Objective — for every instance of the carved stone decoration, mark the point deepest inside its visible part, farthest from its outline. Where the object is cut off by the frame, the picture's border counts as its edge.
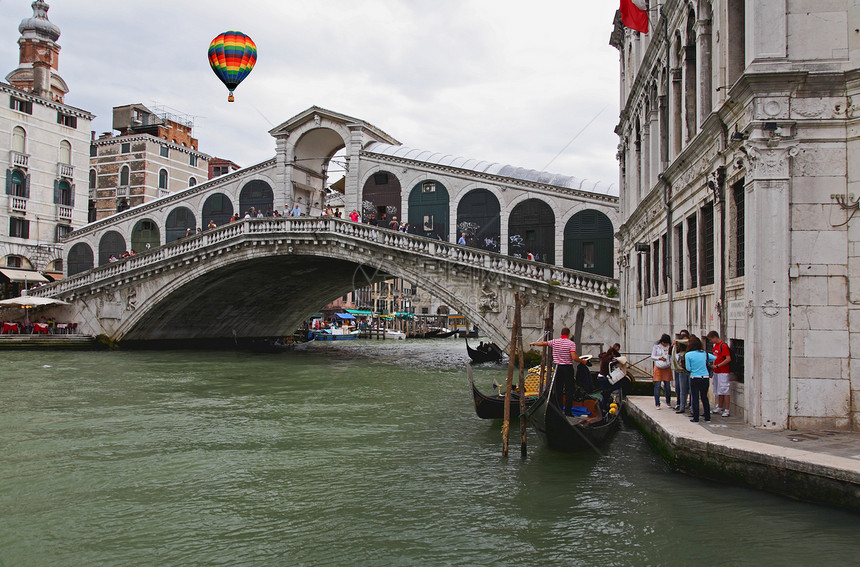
(771, 108)
(808, 107)
(770, 308)
(750, 309)
(131, 300)
(770, 163)
(488, 302)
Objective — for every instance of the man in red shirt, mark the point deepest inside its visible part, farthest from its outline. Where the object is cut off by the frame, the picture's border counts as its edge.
(722, 391)
(563, 356)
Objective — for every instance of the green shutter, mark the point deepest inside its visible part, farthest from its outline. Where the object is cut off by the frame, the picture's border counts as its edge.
(72, 196)
(27, 186)
(8, 181)
(56, 191)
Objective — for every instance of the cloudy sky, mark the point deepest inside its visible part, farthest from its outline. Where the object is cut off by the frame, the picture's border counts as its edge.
(511, 82)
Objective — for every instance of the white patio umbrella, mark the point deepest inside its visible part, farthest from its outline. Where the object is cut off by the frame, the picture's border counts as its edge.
(28, 302)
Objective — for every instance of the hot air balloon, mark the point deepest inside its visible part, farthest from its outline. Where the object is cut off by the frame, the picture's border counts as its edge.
(232, 55)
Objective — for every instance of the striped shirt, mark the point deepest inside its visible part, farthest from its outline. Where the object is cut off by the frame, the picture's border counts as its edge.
(561, 350)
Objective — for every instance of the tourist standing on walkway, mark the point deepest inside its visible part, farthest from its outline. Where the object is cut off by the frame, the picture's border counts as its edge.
(722, 386)
(296, 211)
(394, 225)
(682, 377)
(696, 360)
(353, 216)
(462, 241)
(662, 372)
(563, 356)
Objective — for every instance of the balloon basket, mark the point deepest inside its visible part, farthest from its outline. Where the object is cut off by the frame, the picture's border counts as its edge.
(230, 97)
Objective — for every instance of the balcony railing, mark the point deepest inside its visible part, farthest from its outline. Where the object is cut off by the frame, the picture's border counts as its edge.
(92, 192)
(122, 191)
(17, 204)
(65, 170)
(163, 193)
(64, 213)
(18, 159)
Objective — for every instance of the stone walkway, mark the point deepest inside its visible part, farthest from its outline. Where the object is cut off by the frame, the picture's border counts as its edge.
(821, 466)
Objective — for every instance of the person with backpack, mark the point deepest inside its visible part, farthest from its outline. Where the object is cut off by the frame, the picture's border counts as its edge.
(722, 386)
(662, 371)
(679, 368)
(696, 361)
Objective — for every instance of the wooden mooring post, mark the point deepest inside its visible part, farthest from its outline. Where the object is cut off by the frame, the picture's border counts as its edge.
(506, 422)
(522, 386)
(545, 353)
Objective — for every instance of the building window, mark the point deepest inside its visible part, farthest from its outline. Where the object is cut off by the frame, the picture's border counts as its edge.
(428, 187)
(162, 179)
(740, 236)
(708, 244)
(125, 148)
(587, 255)
(123, 176)
(425, 310)
(193, 160)
(679, 257)
(737, 364)
(94, 151)
(664, 274)
(92, 179)
(67, 120)
(380, 178)
(17, 184)
(693, 251)
(65, 194)
(656, 266)
(192, 181)
(19, 140)
(65, 152)
(13, 262)
(164, 151)
(62, 231)
(19, 228)
(646, 273)
(20, 105)
(639, 276)
(92, 211)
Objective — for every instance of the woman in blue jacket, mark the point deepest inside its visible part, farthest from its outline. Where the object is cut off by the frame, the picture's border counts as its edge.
(697, 360)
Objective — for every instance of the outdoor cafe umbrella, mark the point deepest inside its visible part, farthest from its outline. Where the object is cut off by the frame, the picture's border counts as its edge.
(28, 302)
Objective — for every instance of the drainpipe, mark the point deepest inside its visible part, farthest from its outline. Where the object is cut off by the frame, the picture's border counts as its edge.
(667, 187)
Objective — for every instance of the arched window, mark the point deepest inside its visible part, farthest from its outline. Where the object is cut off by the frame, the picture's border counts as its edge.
(65, 152)
(589, 243)
(19, 140)
(179, 220)
(255, 194)
(381, 195)
(92, 179)
(64, 196)
(531, 229)
(478, 217)
(218, 208)
(111, 244)
(123, 176)
(428, 210)
(145, 235)
(192, 181)
(17, 183)
(162, 179)
(80, 258)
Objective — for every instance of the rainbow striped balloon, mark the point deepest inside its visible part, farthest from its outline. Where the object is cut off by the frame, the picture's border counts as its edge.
(232, 55)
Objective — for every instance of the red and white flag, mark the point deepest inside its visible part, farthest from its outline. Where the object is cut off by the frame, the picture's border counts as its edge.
(634, 15)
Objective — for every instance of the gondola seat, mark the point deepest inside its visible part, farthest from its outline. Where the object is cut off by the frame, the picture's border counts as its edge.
(594, 412)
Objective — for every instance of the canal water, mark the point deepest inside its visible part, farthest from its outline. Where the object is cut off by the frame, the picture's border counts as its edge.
(362, 453)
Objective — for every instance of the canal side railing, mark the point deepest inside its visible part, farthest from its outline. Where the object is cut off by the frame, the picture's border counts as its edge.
(281, 227)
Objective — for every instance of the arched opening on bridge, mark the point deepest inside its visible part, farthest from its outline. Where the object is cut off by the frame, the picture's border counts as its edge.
(428, 210)
(145, 235)
(255, 194)
(478, 215)
(218, 208)
(588, 243)
(178, 222)
(381, 195)
(111, 244)
(80, 258)
(317, 152)
(531, 228)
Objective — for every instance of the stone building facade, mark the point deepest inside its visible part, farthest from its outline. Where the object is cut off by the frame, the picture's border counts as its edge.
(153, 155)
(740, 171)
(44, 143)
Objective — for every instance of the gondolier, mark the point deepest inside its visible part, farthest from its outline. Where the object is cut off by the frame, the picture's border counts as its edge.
(563, 356)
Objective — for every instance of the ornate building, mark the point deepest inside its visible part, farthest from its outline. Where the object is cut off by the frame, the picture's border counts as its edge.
(45, 142)
(739, 181)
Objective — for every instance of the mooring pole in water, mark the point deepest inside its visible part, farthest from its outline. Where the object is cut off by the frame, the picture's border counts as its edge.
(547, 335)
(522, 384)
(506, 423)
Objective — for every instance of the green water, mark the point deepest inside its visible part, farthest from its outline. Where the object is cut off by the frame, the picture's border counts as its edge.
(347, 453)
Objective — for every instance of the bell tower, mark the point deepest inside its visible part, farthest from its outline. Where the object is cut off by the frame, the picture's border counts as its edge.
(38, 61)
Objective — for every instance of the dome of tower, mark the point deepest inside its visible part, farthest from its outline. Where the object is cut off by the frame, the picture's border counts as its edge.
(39, 23)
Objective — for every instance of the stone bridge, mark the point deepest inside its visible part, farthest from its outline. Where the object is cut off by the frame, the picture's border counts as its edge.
(263, 277)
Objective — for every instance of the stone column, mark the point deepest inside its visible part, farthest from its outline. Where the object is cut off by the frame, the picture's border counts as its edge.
(645, 157)
(703, 68)
(283, 175)
(655, 135)
(768, 186)
(352, 192)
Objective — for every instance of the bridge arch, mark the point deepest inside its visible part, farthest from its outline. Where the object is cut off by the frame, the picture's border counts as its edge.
(429, 213)
(589, 243)
(179, 220)
(381, 192)
(479, 216)
(145, 235)
(257, 194)
(217, 207)
(531, 228)
(112, 243)
(80, 259)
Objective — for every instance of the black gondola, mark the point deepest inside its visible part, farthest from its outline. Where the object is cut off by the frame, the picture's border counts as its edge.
(572, 434)
(484, 353)
(493, 407)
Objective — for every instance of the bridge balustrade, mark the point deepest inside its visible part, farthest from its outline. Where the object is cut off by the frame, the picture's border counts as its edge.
(555, 275)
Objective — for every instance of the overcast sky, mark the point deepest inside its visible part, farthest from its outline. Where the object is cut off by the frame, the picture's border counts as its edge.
(503, 81)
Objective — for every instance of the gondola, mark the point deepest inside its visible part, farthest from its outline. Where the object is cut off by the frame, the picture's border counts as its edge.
(491, 353)
(493, 407)
(573, 434)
